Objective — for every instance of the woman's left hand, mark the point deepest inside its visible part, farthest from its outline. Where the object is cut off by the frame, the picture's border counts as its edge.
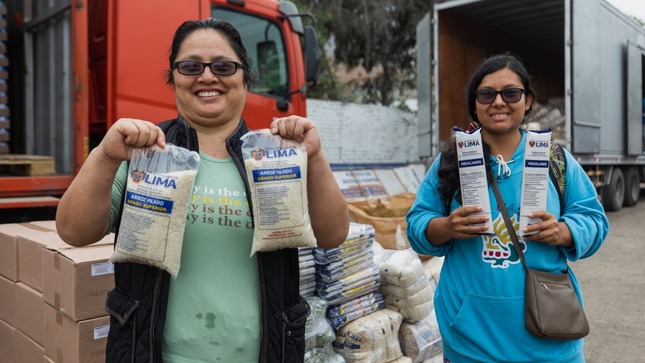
(550, 230)
(300, 129)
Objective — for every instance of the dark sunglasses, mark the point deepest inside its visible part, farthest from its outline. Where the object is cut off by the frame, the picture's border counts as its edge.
(195, 68)
(509, 95)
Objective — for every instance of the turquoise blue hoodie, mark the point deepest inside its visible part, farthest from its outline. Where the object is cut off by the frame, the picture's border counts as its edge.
(479, 302)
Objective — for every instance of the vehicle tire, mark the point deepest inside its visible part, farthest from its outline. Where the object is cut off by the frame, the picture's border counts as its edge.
(613, 194)
(632, 187)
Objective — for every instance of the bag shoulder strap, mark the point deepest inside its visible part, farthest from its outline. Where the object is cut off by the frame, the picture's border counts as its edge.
(558, 171)
(507, 220)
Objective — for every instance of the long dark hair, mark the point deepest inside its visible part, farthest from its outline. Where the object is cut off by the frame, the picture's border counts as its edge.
(221, 26)
(448, 171)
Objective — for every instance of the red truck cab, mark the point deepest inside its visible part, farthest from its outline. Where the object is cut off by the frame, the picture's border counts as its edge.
(91, 62)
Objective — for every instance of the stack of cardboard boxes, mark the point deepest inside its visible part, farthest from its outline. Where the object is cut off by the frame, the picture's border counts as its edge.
(52, 296)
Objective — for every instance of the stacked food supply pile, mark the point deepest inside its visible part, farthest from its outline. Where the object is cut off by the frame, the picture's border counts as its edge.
(52, 296)
(549, 115)
(409, 290)
(307, 271)
(372, 305)
(369, 304)
(347, 277)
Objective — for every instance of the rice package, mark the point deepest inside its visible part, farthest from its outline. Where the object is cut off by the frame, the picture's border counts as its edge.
(472, 173)
(277, 173)
(158, 192)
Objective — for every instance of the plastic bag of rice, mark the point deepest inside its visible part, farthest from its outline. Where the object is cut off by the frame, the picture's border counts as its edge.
(159, 187)
(277, 173)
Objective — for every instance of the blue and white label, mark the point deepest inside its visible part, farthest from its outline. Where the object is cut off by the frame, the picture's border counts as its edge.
(281, 174)
(148, 203)
(471, 162)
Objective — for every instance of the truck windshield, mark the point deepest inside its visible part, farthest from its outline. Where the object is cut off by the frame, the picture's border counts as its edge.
(265, 46)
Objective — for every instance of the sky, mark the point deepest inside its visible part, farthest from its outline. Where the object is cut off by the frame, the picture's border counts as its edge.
(630, 7)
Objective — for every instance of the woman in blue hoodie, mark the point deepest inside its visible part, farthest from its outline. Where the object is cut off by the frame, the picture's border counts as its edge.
(479, 302)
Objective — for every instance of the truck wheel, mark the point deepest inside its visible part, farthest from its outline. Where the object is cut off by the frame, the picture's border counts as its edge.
(613, 194)
(632, 187)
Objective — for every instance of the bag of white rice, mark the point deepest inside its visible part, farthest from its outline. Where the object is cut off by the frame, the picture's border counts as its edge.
(159, 187)
(277, 173)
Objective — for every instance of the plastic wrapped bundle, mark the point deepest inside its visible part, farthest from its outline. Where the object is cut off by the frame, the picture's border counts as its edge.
(307, 271)
(318, 332)
(323, 355)
(347, 288)
(405, 286)
(421, 341)
(336, 269)
(370, 339)
(341, 314)
(347, 271)
(401, 359)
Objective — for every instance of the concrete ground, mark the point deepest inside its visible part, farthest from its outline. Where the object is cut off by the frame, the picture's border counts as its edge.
(613, 286)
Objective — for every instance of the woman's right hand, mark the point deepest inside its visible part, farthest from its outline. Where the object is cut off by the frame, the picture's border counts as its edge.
(463, 222)
(127, 133)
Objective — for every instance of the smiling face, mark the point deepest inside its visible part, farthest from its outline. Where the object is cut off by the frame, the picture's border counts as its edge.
(500, 117)
(208, 100)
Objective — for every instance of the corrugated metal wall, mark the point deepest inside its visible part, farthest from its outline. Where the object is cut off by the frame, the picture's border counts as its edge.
(48, 114)
(613, 38)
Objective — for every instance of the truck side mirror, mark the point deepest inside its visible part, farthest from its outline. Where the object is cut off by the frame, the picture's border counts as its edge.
(312, 54)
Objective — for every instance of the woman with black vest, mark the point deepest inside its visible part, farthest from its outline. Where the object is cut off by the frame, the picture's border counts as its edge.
(224, 306)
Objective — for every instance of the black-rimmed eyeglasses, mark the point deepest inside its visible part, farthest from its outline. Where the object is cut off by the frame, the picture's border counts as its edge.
(195, 68)
(486, 96)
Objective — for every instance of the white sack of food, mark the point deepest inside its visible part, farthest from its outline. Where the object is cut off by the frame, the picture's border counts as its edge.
(370, 339)
(158, 191)
(277, 172)
(402, 268)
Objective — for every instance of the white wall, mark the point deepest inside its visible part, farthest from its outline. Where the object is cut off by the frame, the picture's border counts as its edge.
(365, 134)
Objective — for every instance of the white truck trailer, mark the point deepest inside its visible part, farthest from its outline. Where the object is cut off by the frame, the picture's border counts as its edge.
(588, 62)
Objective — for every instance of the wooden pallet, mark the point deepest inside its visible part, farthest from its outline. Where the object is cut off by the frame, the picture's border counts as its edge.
(32, 165)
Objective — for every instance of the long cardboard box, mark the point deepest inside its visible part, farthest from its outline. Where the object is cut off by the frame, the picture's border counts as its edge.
(32, 249)
(68, 341)
(77, 280)
(7, 301)
(30, 317)
(26, 349)
(9, 246)
(7, 348)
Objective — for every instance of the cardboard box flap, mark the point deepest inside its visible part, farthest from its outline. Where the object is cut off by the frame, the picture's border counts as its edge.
(86, 254)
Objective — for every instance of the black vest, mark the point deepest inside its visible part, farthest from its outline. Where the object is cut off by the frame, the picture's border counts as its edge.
(138, 303)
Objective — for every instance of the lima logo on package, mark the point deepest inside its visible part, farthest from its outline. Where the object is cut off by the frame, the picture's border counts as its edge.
(468, 143)
(533, 143)
(139, 176)
(259, 154)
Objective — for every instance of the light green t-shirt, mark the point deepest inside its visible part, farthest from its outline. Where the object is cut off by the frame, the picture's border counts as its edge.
(214, 304)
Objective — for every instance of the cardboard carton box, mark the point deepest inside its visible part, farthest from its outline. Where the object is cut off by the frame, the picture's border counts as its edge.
(67, 341)
(47, 225)
(7, 337)
(77, 280)
(7, 301)
(9, 246)
(26, 349)
(30, 318)
(31, 250)
(30, 256)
